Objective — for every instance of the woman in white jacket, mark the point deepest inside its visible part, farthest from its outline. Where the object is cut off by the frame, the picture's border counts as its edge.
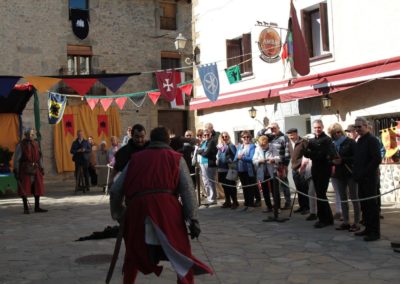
(265, 160)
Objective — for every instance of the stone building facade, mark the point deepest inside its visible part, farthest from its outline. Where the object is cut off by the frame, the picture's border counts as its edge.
(124, 36)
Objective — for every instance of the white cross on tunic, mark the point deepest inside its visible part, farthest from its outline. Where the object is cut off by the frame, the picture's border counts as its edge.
(168, 85)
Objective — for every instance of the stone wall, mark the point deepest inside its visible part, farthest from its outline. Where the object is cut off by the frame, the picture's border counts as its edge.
(124, 36)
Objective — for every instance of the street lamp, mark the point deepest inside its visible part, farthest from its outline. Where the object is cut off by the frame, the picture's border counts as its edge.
(326, 101)
(180, 44)
(253, 112)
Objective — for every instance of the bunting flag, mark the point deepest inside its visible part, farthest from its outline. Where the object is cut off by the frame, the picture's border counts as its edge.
(120, 102)
(301, 58)
(68, 120)
(113, 83)
(6, 84)
(106, 103)
(92, 103)
(42, 84)
(186, 89)
(102, 124)
(81, 86)
(210, 80)
(233, 74)
(80, 22)
(138, 99)
(154, 96)
(56, 105)
(166, 81)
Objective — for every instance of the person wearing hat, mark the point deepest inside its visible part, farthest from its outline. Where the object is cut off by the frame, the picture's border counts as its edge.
(351, 132)
(28, 170)
(297, 146)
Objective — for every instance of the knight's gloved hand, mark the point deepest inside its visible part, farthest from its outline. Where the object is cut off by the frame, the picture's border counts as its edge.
(194, 229)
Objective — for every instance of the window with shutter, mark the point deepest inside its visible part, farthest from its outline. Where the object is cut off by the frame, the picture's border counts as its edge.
(79, 59)
(238, 52)
(314, 21)
(167, 16)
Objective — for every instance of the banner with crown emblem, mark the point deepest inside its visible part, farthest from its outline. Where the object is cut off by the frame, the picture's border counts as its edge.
(56, 105)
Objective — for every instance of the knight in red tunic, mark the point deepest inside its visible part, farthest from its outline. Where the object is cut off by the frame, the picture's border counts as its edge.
(159, 198)
(28, 170)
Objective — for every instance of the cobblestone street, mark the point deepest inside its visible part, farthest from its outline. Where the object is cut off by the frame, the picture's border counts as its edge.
(41, 248)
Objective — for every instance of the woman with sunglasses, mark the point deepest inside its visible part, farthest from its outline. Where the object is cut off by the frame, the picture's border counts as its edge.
(225, 156)
(244, 158)
(342, 178)
(208, 164)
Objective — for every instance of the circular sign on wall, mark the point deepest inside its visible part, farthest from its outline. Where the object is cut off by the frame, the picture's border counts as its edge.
(269, 43)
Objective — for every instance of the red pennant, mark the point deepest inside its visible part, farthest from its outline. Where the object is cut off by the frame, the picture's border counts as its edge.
(68, 122)
(187, 89)
(120, 102)
(81, 86)
(106, 103)
(92, 103)
(166, 81)
(102, 124)
(154, 96)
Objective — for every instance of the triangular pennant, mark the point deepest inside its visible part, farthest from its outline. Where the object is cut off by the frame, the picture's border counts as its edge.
(42, 84)
(154, 96)
(81, 86)
(92, 102)
(186, 89)
(106, 103)
(233, 74)
(68, 122)
(113, 83)
(56, 105)
(6, 84)
(138, 99)
(120, 102)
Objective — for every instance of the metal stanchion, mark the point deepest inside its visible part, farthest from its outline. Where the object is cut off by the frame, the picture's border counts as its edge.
(197, 176)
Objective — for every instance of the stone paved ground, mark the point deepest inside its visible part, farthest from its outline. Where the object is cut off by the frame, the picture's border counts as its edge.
(40, 248)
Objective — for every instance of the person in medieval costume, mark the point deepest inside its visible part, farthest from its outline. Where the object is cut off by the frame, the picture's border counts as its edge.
(28, 170)
(154, 218)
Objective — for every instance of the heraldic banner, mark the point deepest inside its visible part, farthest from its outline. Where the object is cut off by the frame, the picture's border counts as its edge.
(99, 124)
(166, 82)
(56, 104)
(210, 81)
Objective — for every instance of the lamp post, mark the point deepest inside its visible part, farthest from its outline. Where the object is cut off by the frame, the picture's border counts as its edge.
(326, 101)
(180, 44)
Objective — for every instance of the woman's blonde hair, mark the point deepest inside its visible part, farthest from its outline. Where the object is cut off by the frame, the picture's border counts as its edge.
(262, 139)
(335, 128)
(221, 140)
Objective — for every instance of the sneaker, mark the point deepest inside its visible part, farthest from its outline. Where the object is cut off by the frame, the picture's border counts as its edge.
(311, 217)
(354, 228)
(343, 227)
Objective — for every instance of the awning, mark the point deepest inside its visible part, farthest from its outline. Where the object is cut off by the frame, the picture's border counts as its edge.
(308, 86)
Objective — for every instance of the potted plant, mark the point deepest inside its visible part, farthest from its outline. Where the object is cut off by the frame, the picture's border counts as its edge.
(5, 158)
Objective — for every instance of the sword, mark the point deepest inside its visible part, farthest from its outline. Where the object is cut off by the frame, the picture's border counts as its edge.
(116, 251)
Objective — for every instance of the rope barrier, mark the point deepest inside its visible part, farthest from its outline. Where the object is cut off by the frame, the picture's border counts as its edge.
(332, 202)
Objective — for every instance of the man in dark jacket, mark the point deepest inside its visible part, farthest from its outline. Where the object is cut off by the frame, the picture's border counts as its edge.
(365, 172)
(80, 150)
(297, 146)
(321, 151)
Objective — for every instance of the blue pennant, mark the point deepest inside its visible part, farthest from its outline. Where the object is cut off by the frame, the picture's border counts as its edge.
(56, 105)
(209, 78)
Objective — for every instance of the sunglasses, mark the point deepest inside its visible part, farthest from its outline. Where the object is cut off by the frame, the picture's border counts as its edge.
(224, 136)
(358, 126)
(245, 137)
(206, 135)
(188, 135)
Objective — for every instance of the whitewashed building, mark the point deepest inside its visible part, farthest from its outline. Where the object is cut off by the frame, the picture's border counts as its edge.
(354, 60)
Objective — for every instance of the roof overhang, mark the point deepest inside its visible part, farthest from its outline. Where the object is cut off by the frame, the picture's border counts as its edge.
(308, 86)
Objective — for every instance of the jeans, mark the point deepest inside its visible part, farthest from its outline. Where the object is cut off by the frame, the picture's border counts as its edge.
(342, 185)
(209, 176)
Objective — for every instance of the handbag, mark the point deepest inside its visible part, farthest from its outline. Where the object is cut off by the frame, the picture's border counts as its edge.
(30, 168)
(232, 173)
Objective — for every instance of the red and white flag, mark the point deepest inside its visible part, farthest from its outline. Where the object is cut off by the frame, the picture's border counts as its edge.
(179, 101)
(166, 81)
